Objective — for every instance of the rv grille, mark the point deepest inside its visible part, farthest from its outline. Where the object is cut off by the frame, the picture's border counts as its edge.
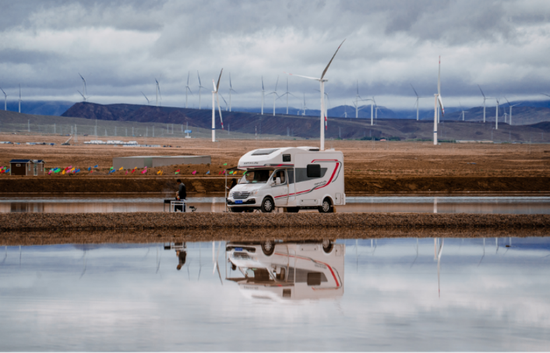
(241, 195)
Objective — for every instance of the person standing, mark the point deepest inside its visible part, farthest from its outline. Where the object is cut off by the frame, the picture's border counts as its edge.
(181, 195)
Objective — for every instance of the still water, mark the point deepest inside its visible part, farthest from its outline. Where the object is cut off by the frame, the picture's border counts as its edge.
(368, 295)
(448, 204)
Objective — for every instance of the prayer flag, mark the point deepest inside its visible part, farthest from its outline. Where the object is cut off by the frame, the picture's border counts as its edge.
(95, 166)
(133, 170)
(112, 168)
(126, 172)
(120, 168)
(208, 172)
(89, 168)
(194, 172)
(225, 164)
(63, 172)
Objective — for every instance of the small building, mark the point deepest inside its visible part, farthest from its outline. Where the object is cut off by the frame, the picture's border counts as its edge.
(157, 161)
(27, 167)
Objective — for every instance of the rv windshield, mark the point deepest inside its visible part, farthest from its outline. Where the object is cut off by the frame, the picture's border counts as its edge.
(260, 176)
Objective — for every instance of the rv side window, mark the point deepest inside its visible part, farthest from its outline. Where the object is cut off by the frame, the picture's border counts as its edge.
(314, 278)
(286, 158)
(301, 174)
(313, 170)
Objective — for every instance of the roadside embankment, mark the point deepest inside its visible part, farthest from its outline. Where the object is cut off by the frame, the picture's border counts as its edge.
(282, 221)
(364, 185)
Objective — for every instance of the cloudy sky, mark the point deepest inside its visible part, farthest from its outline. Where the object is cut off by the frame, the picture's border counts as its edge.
(120, 47)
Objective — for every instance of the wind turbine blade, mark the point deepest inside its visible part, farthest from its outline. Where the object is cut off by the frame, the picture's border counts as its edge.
(441, 104)
(214, 85)
(230, 85)
(326, 68)
(220, 111)
(219, 78)
(3, 92)
(199, 76)
(414, 91)
(308, 77)
(263, 84)
(188, 78)
(439, 78)
(483, 94)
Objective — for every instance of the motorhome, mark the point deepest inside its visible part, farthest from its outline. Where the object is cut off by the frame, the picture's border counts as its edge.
(291, 178)
(287, 270)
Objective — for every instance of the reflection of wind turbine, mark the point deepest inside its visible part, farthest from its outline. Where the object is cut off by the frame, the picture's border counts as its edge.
(230, 90)
(483, 253)
(416, 253)
(439, 101)
(84, 87)
(439, 253)
(5, 100)
(216, 99)
(215, 260)
(200, 87)
(200, 262)
(187, 89)
(145, 98)
(84, 270)
(322, 89)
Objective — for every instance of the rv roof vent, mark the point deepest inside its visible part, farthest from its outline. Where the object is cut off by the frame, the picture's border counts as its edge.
(264, 152)
(314, 149)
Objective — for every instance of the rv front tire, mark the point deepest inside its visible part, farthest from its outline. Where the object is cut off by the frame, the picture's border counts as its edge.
(267, 205)
(326, 206)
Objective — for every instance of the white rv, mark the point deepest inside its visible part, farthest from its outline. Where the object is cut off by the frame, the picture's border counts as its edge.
(291, 178)
(287, 271)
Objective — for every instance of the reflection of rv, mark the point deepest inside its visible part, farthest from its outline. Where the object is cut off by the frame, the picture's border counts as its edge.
(287, 271)
(289, 178)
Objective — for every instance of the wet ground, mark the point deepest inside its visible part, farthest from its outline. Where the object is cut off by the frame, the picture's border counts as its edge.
(408, 294)
(422, 204)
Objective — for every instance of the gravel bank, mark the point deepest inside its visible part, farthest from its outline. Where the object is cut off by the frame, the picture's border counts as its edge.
(305, 221)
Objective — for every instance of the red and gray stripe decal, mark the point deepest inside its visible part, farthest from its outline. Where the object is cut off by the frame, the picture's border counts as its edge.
(338, 284)
(332, 178)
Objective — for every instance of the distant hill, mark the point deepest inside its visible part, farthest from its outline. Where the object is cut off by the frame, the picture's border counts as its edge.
(38, 107)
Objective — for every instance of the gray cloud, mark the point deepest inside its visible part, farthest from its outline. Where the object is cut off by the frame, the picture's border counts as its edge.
(121, 46)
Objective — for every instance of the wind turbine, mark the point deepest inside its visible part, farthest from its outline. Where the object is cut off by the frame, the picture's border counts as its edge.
(19, 98)
(263, 95)
(484, 99)
(287, 93)
(82, 95)
(215, 259)
(158, 93)
(462, 108)
(357, 98)
(84, 87)
(230, 90)
(215, 99)
(496, 116)
(145, 98)
(187, 90)
(275, 95)
(5, 100)
(200, 86)
(438, 100)
(322, 89)
(305, 107)
(510, 119)
(417, 100)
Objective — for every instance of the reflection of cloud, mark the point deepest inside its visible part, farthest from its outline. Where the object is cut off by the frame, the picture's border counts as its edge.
(121, 303)
(121, 46)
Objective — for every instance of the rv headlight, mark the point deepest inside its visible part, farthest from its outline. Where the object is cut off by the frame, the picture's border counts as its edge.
(254, 192)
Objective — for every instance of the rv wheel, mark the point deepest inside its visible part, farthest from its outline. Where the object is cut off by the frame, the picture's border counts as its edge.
(326, 207)
(267, 205)
(268, 247)
(327, 245)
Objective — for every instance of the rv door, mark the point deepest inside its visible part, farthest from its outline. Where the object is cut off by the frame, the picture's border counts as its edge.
(279, 187)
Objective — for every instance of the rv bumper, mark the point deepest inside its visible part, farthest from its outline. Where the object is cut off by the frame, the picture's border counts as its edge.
(251, 201)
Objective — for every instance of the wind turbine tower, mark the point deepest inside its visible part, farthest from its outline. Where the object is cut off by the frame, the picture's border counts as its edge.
(215, 99)
(263, 95)
(496, 116)
(510, 118)
(439, 101)
(357, 98)
(322, 81)
(19, 98)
